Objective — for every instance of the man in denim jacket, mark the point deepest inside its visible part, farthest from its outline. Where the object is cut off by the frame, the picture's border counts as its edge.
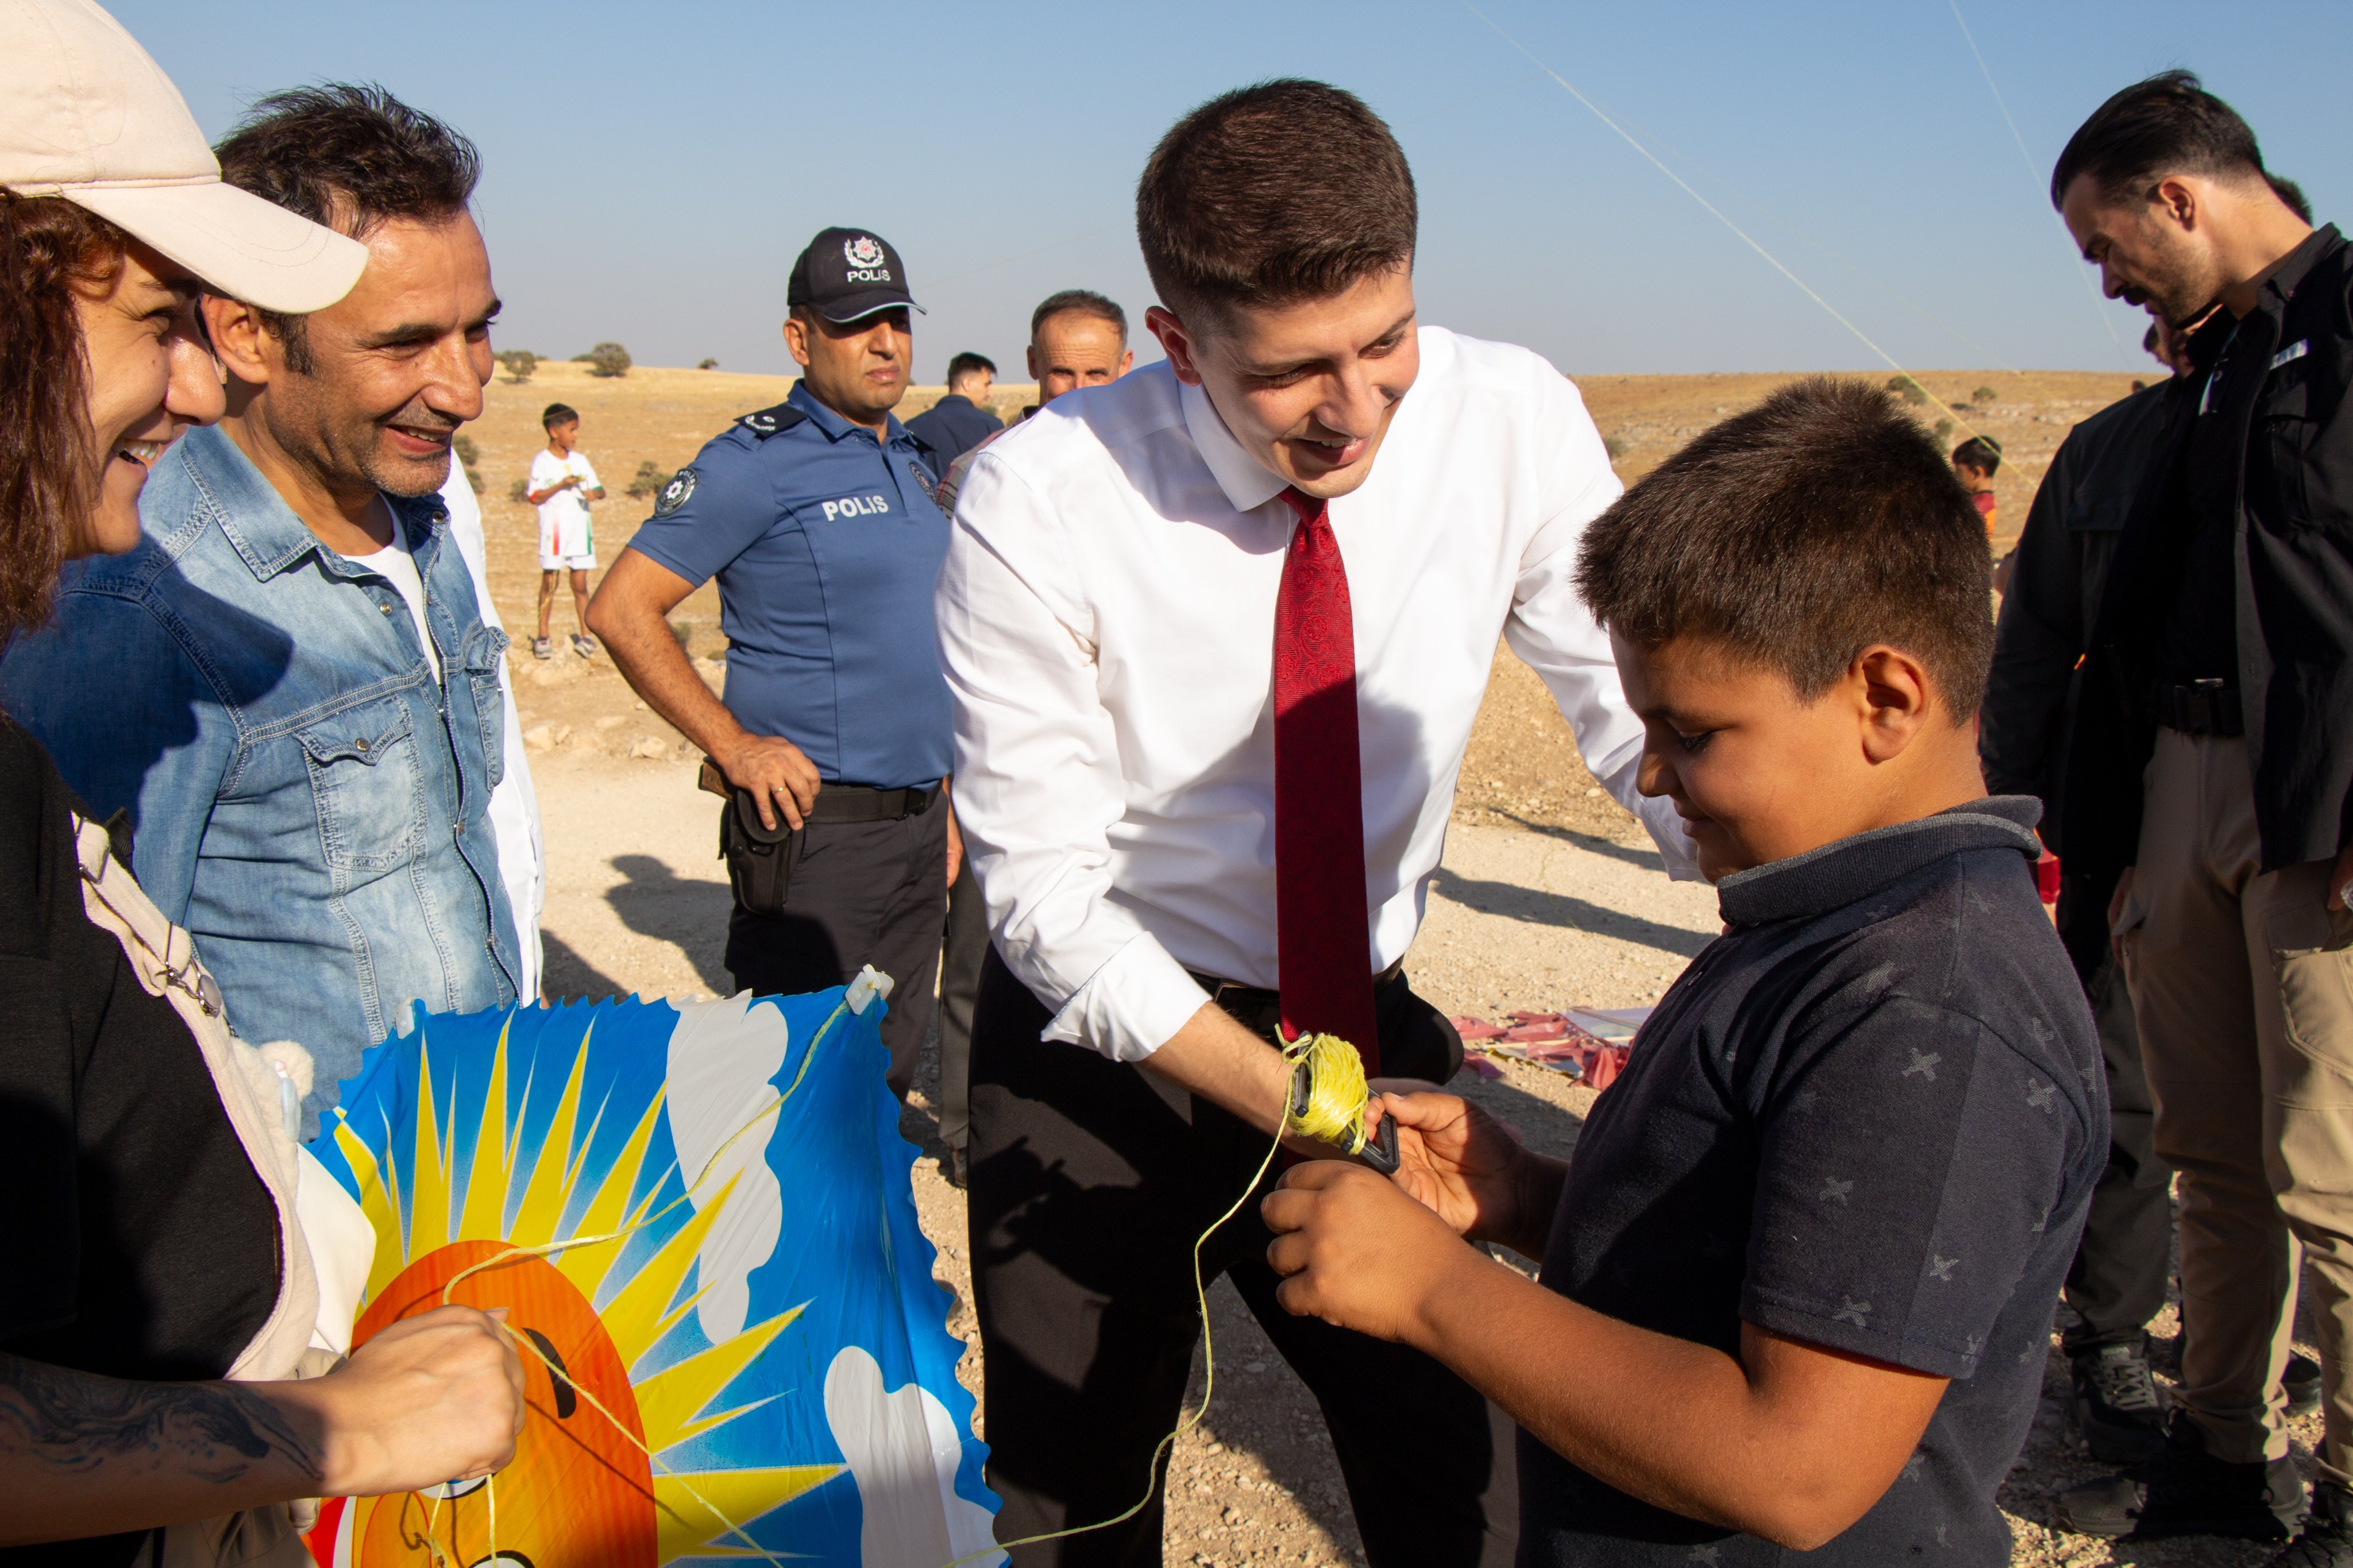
(287, 683)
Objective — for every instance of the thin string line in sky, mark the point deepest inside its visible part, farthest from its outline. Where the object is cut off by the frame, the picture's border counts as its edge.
(2035, 177)
(1717, 213)
(1805, 238)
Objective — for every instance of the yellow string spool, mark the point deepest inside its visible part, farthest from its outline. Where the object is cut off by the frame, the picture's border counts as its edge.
(1329, 1093)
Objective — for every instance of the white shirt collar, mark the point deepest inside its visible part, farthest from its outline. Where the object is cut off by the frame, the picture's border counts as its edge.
(1249, 484)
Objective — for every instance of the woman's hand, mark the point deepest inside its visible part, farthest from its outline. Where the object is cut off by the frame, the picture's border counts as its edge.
(433, 1398)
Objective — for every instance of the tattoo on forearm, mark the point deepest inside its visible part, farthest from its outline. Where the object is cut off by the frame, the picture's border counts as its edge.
(79, 1421)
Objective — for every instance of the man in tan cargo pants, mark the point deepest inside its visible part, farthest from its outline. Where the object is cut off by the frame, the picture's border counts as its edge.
(2222, 675)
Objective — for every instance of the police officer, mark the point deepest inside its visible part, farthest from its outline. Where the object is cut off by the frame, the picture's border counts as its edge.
(818, 519)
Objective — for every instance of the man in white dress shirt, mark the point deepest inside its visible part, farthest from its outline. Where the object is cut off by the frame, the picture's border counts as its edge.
(1217, 634)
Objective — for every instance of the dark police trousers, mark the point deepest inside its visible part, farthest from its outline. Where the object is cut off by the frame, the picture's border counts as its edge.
(1089, 1183)
(2116, 1283)
(862, 892)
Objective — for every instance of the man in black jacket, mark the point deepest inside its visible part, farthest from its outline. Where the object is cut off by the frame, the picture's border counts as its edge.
(2207, 780)
(2118, 1281)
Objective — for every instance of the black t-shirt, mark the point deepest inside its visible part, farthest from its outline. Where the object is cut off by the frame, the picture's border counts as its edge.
(2199, 639)
(1870, 1117)
(136, 1239)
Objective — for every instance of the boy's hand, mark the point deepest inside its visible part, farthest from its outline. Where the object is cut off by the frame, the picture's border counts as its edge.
(1357, 1252)
(1461, 1163)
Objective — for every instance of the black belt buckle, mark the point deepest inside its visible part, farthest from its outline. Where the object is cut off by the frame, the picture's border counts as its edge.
(2207, 706)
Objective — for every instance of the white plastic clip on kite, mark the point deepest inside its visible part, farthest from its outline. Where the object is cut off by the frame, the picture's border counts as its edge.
(871, 983)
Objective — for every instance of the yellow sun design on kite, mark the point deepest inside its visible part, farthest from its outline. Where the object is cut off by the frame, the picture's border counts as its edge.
(585, 1486)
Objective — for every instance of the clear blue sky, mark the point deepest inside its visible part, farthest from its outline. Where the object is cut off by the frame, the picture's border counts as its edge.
(653, 168)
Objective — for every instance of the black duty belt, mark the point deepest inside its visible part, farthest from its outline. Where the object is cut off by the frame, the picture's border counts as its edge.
(2197, 708)
(1237, 998)
(846, 803)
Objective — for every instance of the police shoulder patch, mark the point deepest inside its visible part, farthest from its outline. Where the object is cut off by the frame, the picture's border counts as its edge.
(676, 493)
(768, 422)
(923, 480)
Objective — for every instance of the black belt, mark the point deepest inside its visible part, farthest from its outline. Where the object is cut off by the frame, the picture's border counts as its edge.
(2198, 707)
(1236, 998)
(856, 803)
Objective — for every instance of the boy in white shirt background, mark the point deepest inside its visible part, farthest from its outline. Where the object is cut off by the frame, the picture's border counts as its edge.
(562, 484)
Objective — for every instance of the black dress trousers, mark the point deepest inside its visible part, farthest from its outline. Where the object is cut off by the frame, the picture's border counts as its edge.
(1089, 1184)
(860, 893)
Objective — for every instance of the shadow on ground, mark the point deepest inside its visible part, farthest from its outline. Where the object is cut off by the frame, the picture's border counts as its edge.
(564, 974)
(1540, 907)
(686, 913)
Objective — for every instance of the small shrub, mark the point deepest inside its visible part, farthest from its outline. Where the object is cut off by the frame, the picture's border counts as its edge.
(1944, 428)
(607, 360)
(519, 364)
(708, 365)
(519, 492)
(1909, 390)
(2140, 386)
(468, 455)
(1984, 395)
(1615, 446)
(649, 481)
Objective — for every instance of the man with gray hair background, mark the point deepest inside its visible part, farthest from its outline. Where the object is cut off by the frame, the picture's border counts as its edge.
(1077, 337)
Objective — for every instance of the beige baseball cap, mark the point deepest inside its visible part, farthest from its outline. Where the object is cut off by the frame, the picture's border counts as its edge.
(85, 114)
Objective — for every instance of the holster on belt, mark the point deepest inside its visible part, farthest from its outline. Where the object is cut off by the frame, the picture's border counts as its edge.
(759, 857)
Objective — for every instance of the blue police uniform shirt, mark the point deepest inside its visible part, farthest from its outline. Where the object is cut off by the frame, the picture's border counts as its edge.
(826, 544)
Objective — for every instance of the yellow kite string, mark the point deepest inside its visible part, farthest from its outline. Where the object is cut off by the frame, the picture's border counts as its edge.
(1334, 1114)
(1336, 1097)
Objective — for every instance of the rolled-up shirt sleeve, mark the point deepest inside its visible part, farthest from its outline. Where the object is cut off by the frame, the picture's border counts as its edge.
(1038, 781)
(1556, 634)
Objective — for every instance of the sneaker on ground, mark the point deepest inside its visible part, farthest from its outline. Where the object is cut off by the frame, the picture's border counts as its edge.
(541, 648)
(2301, 1383)
(2114, 1402)
(583, 645)
(2187, 1491)
(2326, 1539)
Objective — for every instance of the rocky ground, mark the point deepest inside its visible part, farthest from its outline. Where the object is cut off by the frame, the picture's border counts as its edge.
(1549, 896)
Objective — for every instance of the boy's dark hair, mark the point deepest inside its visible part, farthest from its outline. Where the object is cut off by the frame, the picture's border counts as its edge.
(1982, 453)
(2169, 124)
(353, 157)
(1271, 195)
(1082, 301)
(1798, 534)
(966, 364)
(556, 414)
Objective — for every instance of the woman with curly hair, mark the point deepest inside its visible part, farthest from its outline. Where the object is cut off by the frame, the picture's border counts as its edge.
(169, 1384)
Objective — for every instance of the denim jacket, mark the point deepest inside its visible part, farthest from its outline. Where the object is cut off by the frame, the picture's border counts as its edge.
(305, 798)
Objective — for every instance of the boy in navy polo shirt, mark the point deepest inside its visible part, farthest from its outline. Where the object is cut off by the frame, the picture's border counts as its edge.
(1798, 1274)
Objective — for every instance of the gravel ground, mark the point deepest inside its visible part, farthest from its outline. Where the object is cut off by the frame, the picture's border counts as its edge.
(1549, 895)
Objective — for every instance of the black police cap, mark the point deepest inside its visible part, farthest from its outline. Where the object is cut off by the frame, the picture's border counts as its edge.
(849, 273)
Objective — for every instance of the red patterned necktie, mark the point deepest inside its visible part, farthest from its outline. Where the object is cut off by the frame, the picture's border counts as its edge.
(1321, 934)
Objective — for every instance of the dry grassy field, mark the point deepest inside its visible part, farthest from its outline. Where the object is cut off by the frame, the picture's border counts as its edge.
(660, 416)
